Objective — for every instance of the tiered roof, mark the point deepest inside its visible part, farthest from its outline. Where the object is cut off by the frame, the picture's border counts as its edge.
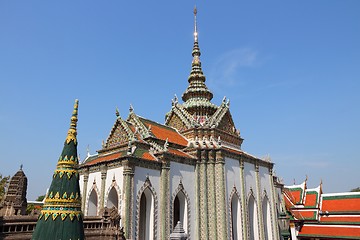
(61, 216)
(323, 216)
(139, 138)
(15, 202)
(198, 117)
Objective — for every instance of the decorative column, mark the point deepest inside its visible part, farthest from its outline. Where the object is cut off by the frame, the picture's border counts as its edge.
(211, 195)
(274, 219)
(84, 194)
(203, 223)
(197, 199)
(220, 197)
(243, 200)
(259, 203)
(165, 200)
(127, 209)
(103, 169)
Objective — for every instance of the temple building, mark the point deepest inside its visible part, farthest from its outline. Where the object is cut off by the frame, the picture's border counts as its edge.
(191, 170)
(315, 215)
(15, 202)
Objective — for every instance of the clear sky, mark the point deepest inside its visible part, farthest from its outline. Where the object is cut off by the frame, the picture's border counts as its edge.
(291, 70)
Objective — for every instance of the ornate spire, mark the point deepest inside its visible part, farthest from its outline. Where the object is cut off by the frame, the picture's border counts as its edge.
(195, 26)
(62, 207)
(197, 95)
(73, 122)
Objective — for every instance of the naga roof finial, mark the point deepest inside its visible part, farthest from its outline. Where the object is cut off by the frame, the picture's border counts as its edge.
(73, 123)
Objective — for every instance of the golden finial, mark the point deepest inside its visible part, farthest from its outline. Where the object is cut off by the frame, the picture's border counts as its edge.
(72, 130)
(195, 25)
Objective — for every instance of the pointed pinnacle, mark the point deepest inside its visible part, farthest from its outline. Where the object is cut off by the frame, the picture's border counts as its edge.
(73, 123)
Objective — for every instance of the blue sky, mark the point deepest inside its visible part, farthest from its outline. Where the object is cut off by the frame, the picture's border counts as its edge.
(290, 69)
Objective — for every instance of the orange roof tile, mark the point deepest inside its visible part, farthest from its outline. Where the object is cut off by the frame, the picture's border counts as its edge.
(164, 132)
(341, 203)
(303, 214)
(311, 199)
(347, 232)
(179, 153)
(105, 158)
(352, 219)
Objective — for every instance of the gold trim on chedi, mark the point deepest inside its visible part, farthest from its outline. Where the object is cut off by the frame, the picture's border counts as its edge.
(67, 160)
(71, 136)
(73, 197)
(54, 212)
(68, 172)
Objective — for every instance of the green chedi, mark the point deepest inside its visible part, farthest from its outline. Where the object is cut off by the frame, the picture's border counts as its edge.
(61, 217)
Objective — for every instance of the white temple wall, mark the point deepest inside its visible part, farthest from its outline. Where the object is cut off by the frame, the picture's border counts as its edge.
(94, 182)
(265, 180)
(117, 175)
(94, 176)
(140, 176)
(232, 176)
(186, 174)
(81, 184)
(250, 179)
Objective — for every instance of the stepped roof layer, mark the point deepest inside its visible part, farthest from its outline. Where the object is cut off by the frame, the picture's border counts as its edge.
(16, 192)
(197, 116)
(140, 138)
(61, 216)
(323, 216)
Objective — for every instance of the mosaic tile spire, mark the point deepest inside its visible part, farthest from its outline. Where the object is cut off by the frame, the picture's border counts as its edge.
(197, 95)
(61, 216)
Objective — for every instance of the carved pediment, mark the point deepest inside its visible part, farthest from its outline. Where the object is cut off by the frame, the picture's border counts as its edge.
(226, 124)
(176, 122)
(119, 135)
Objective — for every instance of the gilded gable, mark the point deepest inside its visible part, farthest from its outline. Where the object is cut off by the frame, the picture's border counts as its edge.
(226, 124)
(177, 123)
(118, 136)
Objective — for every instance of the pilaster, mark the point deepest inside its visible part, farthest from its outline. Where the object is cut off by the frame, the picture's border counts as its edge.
(243, 200)
(203, 224)
(212, 220)
(274, 220)
(84, 193)
(165, 200)
(259, 202)
(128, 189)
(197, 199)
(220, 197)
(103, 169)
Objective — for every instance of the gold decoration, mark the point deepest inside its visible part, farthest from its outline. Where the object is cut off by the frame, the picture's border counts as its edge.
(71, 136)
(63, 213)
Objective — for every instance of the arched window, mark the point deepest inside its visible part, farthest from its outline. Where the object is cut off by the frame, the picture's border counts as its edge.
(267, 219)
(236, 218)
(92, 204)
(146, 220)
(180, 210)
(113, 199)
(253, 219)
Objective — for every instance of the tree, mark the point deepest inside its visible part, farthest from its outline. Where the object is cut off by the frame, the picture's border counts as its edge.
(40, 198)
(355, 189)
(3, 185)
(31, 207)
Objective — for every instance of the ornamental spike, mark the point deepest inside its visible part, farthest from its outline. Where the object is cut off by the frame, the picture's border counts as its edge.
(195, 25)
(71, 135)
